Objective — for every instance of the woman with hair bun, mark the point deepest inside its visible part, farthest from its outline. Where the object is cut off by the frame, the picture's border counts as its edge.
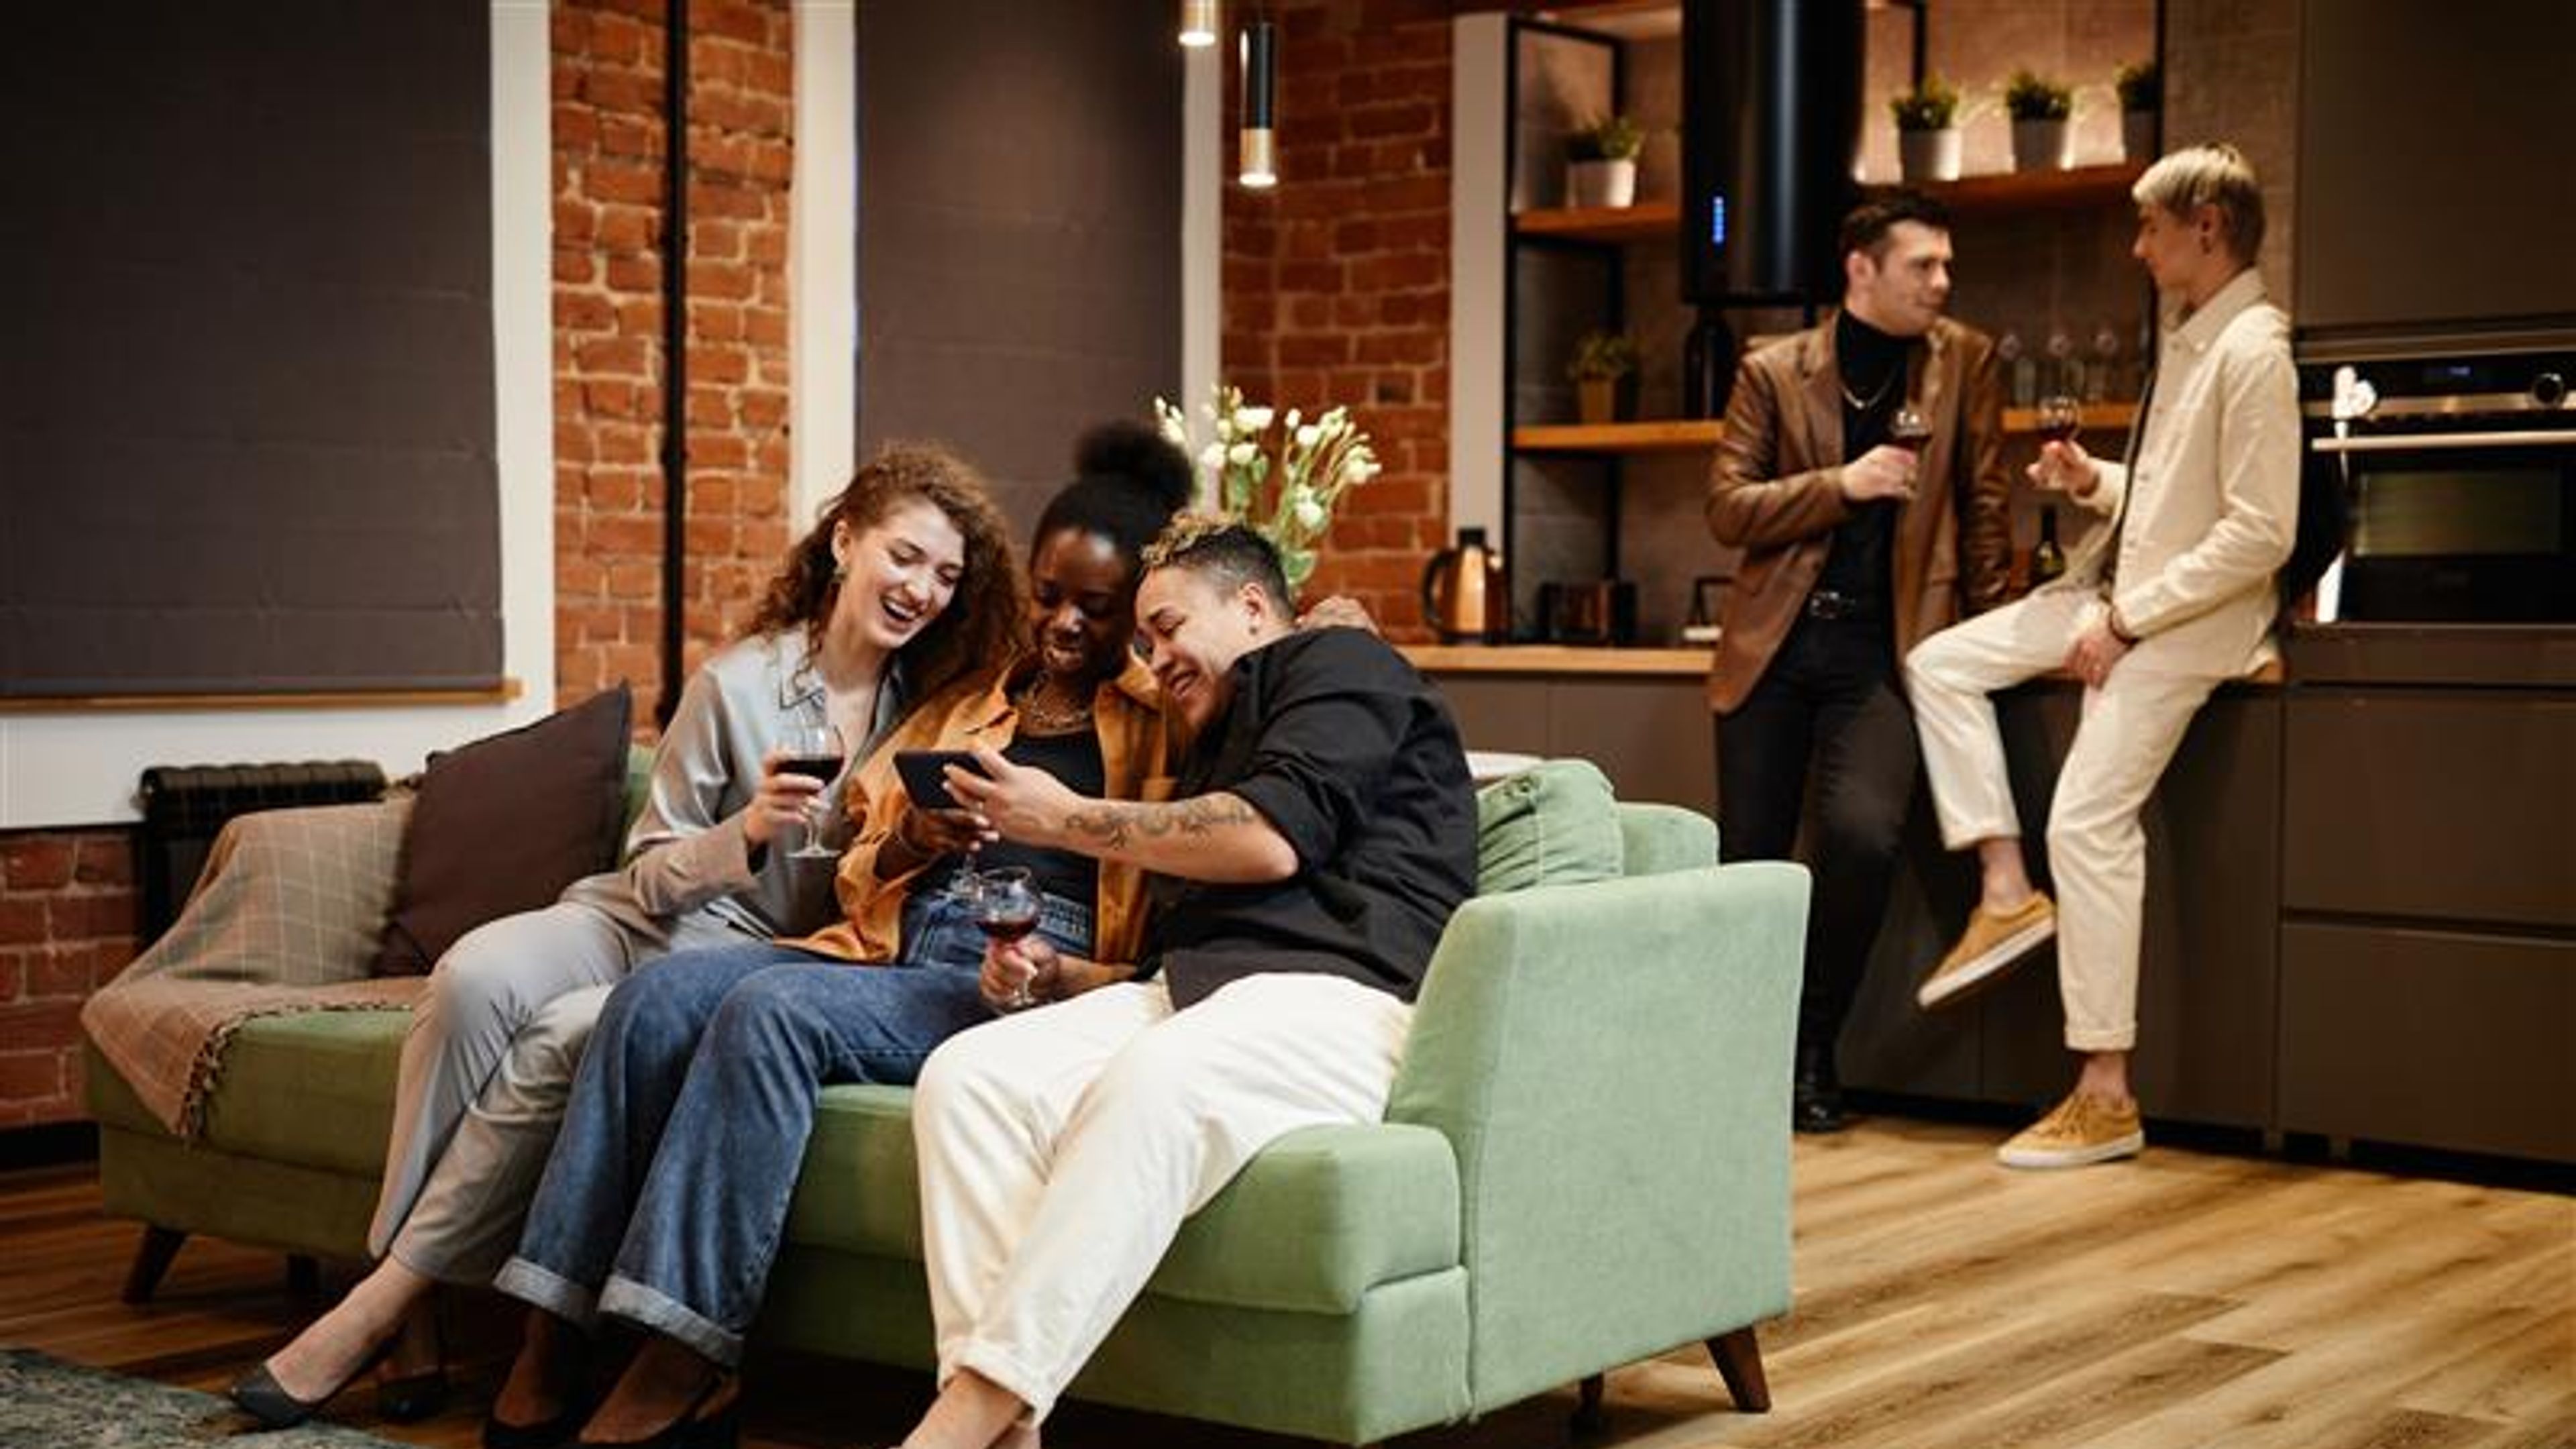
(667, 1193)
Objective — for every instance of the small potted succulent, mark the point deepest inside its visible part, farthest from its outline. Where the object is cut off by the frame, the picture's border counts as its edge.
(1602, 365)
(2039, 107)
(1601, 163)
(1927, 131)
(2142, 94)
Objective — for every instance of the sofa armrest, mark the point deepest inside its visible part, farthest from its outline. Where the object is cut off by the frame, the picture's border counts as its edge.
(1611, 1063)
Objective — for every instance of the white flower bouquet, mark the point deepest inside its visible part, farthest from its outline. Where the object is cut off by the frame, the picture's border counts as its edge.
(1283, 480)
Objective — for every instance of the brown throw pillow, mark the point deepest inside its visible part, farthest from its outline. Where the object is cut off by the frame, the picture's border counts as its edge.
(504, 824)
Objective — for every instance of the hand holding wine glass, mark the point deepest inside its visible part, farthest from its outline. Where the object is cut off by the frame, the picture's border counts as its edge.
(2063, 464)
(1006, 906)
(814, 752)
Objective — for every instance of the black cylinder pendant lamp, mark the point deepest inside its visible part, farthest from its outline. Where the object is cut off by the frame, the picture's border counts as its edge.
(1259, 166)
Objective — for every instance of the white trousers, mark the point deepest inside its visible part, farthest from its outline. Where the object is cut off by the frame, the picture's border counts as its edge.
(486, 1069)
(2097, 849)
(1061, 1148)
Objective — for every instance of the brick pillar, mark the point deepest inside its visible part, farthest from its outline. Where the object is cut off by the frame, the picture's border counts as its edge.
(1337, 282)
(609, 144)
(67, 909)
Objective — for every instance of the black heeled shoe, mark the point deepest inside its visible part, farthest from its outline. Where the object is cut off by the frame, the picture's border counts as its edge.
(695, 1428)
(260, 1395)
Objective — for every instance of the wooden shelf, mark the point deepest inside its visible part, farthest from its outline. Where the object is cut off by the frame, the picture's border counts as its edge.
(2097, 417)
(2036, 190)
(1670, 435)
(1645, 221)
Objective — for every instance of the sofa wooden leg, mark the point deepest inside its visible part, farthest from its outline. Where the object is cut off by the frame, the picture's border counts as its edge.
(151, 1259)
(1589, 1417)
(1739, 1362)
(304, 1276)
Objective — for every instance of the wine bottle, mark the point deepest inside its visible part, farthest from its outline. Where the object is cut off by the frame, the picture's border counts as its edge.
(2047, 561)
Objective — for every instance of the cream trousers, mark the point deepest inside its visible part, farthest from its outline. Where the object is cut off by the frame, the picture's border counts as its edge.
(1061, 1148)
(486, 1069)
(2097, 851)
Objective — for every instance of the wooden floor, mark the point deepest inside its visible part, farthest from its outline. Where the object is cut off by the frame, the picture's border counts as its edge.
(2187, 1301)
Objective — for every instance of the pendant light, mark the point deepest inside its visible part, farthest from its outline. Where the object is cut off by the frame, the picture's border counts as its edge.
(1260, 142)
(1198, 23)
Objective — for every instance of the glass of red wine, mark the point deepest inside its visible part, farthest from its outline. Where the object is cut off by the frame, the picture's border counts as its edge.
(816, 752)
(1006, 910)
(2058, 418)
(1909, 429)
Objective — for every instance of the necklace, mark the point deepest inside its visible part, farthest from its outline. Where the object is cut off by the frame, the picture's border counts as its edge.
(1043, 716)
(1858, 404)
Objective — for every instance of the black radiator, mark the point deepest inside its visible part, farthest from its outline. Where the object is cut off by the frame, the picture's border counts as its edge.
(185, 807)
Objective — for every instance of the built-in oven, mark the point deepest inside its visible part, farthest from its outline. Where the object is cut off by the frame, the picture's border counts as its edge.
(2459, 474)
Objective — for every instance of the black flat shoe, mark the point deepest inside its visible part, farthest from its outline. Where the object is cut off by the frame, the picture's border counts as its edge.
(695, 1428)
(259, 1394)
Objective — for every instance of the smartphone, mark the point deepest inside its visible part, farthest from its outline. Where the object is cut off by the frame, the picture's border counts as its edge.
(924, 777)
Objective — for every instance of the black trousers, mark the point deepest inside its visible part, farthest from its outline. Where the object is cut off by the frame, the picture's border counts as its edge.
(1830, 703)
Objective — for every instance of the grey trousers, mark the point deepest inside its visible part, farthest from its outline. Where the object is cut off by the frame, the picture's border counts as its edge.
(486, 1069)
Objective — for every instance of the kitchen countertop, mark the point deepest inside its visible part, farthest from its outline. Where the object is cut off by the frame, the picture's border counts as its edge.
(1569, 659)
(1556, 659)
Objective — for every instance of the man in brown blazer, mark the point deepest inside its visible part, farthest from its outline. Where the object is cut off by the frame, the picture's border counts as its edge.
(1860, 538)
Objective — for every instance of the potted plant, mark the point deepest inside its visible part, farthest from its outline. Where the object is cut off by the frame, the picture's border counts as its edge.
(1601, 163)
(2142, 95)
(1927, 131)
(2039, 107)
(1603, 362)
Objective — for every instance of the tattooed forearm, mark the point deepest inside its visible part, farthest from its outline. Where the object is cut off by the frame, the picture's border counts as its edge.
(1117, 825)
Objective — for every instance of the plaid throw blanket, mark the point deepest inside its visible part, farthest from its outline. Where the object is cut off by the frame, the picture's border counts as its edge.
(284, 919)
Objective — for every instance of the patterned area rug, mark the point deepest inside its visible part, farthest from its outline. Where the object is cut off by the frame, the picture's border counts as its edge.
(48, 1404)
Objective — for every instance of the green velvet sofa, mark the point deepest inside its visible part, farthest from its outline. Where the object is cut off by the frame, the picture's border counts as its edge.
(1585, 1161)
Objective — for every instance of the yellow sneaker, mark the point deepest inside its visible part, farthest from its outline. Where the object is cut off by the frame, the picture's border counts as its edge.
(1991, 943)
(2082, 1130)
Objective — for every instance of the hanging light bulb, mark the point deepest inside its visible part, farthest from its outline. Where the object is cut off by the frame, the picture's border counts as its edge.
(1260, 159)
(1198, 23)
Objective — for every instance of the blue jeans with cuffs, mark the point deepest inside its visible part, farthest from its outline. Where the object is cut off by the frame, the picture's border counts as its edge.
(668, 1189)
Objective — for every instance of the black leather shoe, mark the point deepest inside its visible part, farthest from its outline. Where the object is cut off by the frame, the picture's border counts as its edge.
(1816, 1094)
(259, 1394)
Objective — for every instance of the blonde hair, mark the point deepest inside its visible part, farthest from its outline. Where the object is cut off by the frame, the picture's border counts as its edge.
(2196, 176)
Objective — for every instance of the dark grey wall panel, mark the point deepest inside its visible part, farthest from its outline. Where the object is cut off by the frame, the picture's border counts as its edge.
(246, 410)
(1019, 226)
(2434, 186)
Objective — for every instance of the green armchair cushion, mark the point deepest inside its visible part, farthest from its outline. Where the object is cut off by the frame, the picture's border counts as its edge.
(1318, 1219)
(1554, 823)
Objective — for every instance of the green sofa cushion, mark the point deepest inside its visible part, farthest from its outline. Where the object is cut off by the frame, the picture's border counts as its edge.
(315, 1088)
(1553, 824)
(1322, 1216)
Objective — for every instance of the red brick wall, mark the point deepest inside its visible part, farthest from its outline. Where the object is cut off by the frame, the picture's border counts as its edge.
(66, 925)
(609, 144)
(1337, 282)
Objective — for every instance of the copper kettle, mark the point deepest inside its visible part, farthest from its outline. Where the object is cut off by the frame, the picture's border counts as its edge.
(1465, 598)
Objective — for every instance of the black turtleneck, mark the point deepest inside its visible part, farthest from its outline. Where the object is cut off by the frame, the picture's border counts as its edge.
(1870, 366)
